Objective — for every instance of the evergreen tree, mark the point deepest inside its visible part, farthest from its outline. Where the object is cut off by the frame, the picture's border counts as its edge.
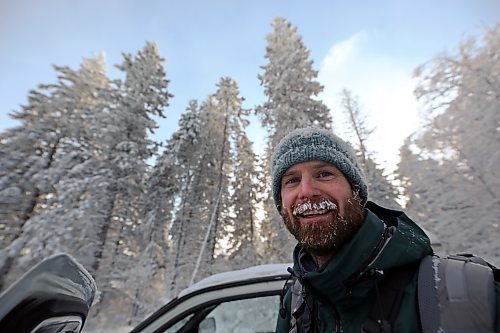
(143, 95)
(203, 216)
(290, 85)
(245, 202)
(60, 185)
(86, 141)
(226, 112)
(197, 157)
(170, 179)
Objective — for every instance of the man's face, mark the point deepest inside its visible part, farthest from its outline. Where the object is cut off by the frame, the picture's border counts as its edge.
(319, 207)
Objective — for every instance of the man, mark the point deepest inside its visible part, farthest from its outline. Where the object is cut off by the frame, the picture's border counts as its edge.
(346, 245)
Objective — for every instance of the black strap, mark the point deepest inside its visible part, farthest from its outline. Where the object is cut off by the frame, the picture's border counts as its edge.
(427, 296)
(305, 311)
(387, 300)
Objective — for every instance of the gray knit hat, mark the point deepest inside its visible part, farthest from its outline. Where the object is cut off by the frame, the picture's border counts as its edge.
(308, 144)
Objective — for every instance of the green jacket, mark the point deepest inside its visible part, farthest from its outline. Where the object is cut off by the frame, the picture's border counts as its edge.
(343, 310)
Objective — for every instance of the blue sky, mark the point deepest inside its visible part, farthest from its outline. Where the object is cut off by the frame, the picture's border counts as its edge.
(370, 47)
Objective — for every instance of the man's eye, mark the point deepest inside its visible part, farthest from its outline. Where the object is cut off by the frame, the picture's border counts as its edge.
(292, 180)
(323, 174)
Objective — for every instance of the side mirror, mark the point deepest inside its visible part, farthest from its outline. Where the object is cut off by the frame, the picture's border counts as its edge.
(207, 325)
(54, 296)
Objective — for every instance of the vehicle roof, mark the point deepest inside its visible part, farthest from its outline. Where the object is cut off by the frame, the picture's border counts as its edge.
(250, 273)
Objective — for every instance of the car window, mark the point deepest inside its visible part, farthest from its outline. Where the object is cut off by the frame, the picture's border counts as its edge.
(180, 324)
(243, 316)
(252, 315)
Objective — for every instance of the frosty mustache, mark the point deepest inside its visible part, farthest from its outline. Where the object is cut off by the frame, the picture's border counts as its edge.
(324, 204)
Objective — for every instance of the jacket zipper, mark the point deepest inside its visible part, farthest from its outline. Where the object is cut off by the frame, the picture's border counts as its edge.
(338, 324)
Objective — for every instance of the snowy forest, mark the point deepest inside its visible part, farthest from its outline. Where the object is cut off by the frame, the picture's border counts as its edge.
(81, 174)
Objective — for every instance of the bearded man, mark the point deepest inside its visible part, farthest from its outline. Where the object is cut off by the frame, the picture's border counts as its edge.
(345, 244)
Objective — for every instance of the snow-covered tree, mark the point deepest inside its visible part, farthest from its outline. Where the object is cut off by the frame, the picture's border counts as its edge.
(225, 108)
(204, 203)
(460, 142)
(182, 159)
(143, 95)
(244, 240)
(60, 183)
(205, 213)
(169, 180)
(75, 170)
(290, 85)
(381, 190)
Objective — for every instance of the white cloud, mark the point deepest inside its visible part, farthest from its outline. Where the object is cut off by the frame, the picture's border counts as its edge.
(384, 86)
(340, 53)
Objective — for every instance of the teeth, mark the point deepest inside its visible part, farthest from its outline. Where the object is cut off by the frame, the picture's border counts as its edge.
(318, 208)
(315, 212)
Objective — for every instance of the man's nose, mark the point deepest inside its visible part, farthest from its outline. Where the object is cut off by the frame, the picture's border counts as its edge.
(308, 187)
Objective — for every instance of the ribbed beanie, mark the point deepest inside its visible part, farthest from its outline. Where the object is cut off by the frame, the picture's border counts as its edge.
(309, 144)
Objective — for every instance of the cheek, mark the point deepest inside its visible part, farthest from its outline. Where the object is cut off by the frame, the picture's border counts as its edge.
(286, 200)
(284, 210)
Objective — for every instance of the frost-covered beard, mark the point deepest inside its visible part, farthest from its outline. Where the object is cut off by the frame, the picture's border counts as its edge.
(324, 237)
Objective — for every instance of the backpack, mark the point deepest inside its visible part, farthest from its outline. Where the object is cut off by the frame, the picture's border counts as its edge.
(455, 294)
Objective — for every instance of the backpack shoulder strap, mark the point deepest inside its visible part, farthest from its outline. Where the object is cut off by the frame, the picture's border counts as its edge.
(456, 294)
(296, 290)
(303, 308)
(428, 303)
(387, 302)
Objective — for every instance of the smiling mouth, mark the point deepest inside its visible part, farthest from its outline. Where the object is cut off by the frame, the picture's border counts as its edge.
(314, 212)
(313, 209)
